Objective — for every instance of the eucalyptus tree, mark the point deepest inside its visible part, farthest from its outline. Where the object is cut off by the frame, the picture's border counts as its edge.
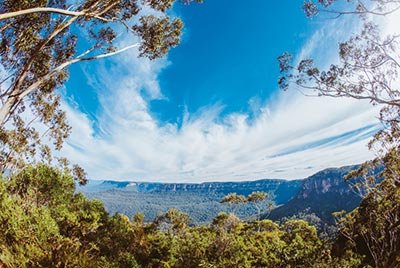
(39, 41)
(368, 69)
(373, 228)
(258, 199)
(173, 221)
(233, 199)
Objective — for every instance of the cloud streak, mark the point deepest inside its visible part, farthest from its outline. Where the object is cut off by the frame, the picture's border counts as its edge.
(291, 136)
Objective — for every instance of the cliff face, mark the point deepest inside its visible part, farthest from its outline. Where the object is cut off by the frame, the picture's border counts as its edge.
(322, 193)
(281, 190)
(326, 181)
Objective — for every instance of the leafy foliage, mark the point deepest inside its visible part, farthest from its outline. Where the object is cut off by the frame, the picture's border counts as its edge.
(43, 223)
(374, 227)
(234, 199)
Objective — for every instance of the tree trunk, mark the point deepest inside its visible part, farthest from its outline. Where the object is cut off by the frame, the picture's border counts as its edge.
(40, 10)
(5, 110)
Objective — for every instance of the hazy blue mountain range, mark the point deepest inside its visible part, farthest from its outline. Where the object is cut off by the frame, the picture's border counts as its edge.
(200, 201)
(320, 194)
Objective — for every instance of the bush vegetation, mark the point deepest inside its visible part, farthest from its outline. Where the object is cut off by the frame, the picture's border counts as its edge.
(45, 223)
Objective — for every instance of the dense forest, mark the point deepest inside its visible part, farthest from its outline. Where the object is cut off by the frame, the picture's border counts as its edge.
(44, 222)
(200, 201)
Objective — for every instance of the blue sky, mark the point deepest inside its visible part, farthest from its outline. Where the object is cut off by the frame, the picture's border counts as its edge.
(227, 55)
(211, 110)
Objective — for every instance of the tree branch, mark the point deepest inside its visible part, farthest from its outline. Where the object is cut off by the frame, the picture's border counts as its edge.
(41, 10)
(68, 63)
(15, 99)
(361, 12)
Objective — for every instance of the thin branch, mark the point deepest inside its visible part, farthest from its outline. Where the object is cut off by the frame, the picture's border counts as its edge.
(86, 52)
(355, 12)
(68, 63)
(377, 100)
(329, 89)
(5, 79)
(375, 66)
(107, 8)
(5, 27)
(114, 19)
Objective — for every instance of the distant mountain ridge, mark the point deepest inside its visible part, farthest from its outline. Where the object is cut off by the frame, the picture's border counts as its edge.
(321, 194)
(281, 190)
(200, 200)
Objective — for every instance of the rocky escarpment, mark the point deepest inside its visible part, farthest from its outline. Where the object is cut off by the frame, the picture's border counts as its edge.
(326, 182)
(322, 193)
(280, 190)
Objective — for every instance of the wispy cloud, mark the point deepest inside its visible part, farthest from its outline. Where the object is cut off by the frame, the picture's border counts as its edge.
(290, 137)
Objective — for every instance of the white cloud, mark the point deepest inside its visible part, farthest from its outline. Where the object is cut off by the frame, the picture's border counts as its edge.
(292, 137)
